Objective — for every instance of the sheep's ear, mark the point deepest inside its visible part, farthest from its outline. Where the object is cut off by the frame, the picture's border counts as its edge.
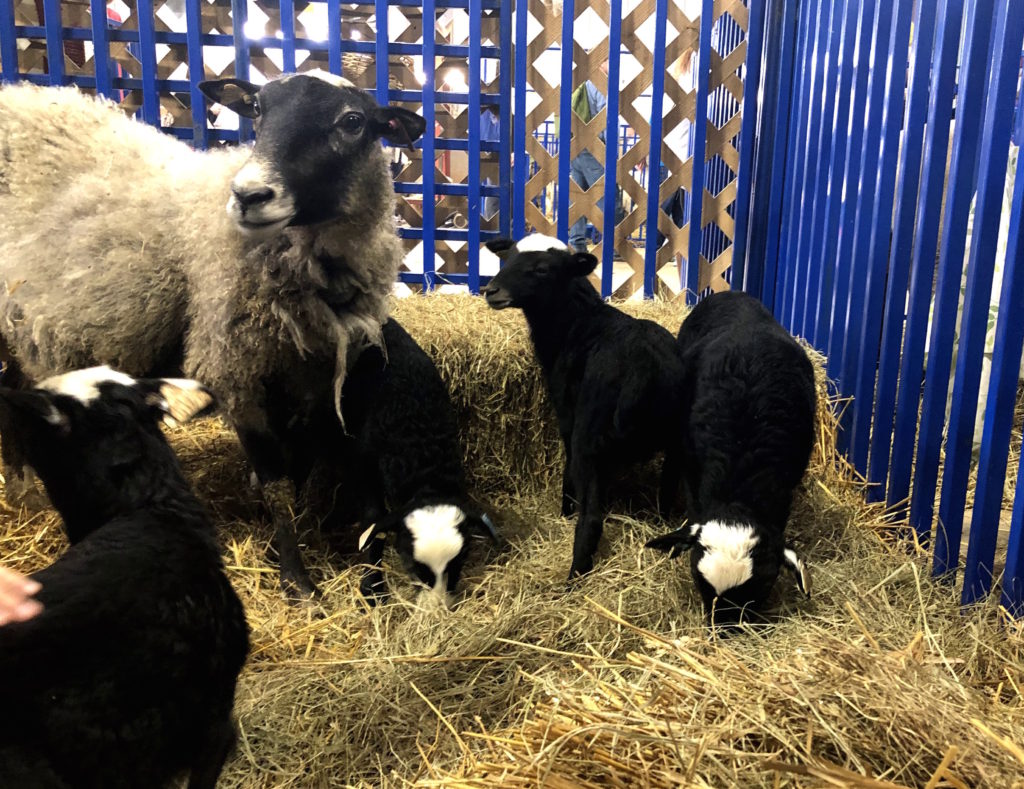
(502, 247)
(676, 542)
(799, 569)
(23, 406)
(379, 530)
(178, 400)
(481, 522)
(582, 263)
(235, 94)
(398, 126)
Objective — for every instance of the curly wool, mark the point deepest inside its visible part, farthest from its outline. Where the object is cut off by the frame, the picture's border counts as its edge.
(115, 248)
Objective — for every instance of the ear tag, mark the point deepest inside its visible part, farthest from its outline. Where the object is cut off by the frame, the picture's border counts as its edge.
(366, 536)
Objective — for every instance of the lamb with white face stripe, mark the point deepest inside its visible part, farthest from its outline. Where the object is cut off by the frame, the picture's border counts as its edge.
(538, 242)
(436, 538)
(727, 561)
(83, 385)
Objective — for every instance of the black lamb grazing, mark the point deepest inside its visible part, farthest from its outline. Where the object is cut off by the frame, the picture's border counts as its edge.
(750, 402)
(407, 464)
(614, 380)
(127, 677)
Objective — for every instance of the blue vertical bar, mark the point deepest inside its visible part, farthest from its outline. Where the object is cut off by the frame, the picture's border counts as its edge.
(239, 15)
(922, 267)
(1013, 575)
(196, 71)
(875, 257)
(54, 41)
(654, 154)
(800, 227)
(382, 73)
(797, 147)
(1002, 394)
(565, 113)
(700, 134)
(287, 36)
(505, 103)
(849, 312)
(849, 195)
(611, 148)
(810, 240)
(147, 58)
(909, 179)
(995, 142)
(776, 177)
(829, 230)
(747, 142)
(473, 173)
(334, 36)
(429, 86)
(9, 43)
(100, 46)
(521, 168)
(960, 190)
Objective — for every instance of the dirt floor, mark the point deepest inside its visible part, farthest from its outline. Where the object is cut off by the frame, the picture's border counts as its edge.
(878, 680)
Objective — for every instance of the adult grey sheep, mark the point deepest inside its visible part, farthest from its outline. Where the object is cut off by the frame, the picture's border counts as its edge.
(115, 248)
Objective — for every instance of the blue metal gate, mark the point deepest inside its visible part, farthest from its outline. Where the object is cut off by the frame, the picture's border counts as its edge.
(850, 245)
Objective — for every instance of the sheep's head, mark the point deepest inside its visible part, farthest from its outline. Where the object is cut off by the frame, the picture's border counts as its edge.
(536, 269)
(317, 153)
(93, 437)
(432, 541)
(734, 566)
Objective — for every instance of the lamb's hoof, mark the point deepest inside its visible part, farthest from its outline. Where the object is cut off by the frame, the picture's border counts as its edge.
(576, 573)
(299, 589)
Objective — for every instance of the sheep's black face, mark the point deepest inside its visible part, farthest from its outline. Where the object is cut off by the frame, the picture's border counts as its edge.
(93, 438)
(536, 269)
(317, 154)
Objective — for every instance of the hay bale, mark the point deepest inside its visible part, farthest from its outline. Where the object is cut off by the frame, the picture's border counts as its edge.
(613, 682)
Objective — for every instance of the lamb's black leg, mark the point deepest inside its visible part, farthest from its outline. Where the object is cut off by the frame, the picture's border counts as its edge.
(568, 493)
(671, 474)
(209, 762)
(373, 587)
(590, 523)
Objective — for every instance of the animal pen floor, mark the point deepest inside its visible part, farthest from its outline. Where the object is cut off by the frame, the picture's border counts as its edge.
(878, 680)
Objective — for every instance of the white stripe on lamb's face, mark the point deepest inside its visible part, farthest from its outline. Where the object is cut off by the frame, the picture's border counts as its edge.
(727, 560)
(83, 385)
(537, 242)
(436, 538)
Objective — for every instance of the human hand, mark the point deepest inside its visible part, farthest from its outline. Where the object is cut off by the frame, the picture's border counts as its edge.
(16, 603)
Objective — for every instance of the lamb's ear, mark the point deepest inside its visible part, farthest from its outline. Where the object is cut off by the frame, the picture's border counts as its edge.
(398, 126)
(235, 94)
(502, 247)
(178, 400)
(582, 263)
(22, 406)
(379, 530)
(676, 542)
(799, 569)
(482, 523)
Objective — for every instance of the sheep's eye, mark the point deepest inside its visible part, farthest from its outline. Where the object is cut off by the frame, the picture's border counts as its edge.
(351, 123)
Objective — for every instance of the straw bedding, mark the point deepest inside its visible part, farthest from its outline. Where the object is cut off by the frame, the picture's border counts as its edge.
(877, 681)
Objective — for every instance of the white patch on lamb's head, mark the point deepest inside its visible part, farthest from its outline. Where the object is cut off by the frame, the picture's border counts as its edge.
(727, 561)
(538, 242)
(83, 385)
(436, 538)
(326, 76)
(260, 203)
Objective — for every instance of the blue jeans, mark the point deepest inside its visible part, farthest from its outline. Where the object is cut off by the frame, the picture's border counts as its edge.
(586, 171)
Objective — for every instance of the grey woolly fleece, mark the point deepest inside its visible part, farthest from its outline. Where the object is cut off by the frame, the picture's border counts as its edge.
(115, 245)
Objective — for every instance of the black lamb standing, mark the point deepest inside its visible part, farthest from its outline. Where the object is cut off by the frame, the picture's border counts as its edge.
(614, 380)
(750, 402)
(127, 677)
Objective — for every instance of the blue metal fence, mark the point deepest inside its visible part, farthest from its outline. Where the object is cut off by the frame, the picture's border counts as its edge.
(845, 243)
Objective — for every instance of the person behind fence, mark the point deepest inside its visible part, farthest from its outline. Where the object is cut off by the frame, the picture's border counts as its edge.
(586, 170)
(490, 131)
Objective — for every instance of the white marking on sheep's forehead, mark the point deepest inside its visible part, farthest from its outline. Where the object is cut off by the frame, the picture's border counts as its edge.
(326, 76)
(83, 385)
(727, 560)
(436, 538)
(538, 242)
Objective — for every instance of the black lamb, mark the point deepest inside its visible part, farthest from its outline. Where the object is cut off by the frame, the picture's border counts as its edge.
(406, 462)
(750, 402)
(127, 677)
(614, 380)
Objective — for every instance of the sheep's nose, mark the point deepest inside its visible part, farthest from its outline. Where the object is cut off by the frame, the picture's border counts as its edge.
(487, 289)
(252, 197)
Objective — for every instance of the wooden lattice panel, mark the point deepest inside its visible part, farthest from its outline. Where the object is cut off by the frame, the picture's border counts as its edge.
(682, 47)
